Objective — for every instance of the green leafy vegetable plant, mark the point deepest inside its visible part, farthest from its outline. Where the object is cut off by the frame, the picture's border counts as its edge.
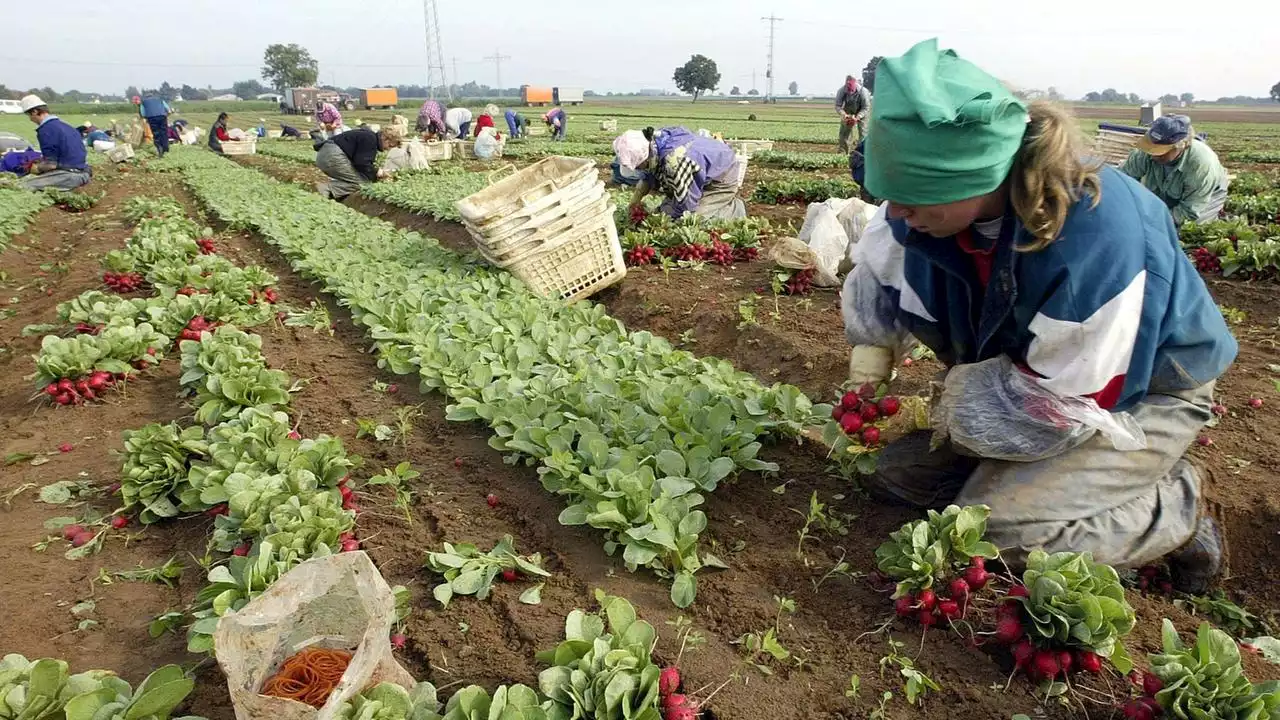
(1206, 680)
(1074, 602)
(468, 571)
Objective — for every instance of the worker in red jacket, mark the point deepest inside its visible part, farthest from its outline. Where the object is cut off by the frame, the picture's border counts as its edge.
(486, 119)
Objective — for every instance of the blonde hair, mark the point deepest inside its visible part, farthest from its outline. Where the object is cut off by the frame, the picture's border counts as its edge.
(392, 135)
(1050, 174)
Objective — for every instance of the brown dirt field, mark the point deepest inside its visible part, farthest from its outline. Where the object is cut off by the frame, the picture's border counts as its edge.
(753, 521)
(1197, 113)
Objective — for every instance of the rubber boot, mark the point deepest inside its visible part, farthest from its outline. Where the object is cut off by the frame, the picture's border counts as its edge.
(1194, 566)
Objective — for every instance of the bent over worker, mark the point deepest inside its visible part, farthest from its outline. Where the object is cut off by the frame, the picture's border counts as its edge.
(348, 159)
(1082, 347)
(1180, 169)
(64, 161)
(698, 175)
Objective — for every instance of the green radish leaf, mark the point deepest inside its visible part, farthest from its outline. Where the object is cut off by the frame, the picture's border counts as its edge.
(532, 596)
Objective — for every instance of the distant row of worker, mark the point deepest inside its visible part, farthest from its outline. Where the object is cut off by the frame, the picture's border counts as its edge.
(436, 121)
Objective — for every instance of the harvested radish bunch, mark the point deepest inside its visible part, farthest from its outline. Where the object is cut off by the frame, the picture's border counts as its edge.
(123, 282)
(800, 282)
(641, 255)
(206, 246)
(721, 253)
(746, 254)
(692, 253)
(637, 214)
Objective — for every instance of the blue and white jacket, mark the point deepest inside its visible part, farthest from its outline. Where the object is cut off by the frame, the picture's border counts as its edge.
(1112, 310)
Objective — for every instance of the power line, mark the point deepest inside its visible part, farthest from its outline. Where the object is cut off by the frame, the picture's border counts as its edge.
(768, 73)
(497, 57)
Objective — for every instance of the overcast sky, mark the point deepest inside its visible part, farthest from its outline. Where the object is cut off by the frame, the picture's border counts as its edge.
(1148, 47)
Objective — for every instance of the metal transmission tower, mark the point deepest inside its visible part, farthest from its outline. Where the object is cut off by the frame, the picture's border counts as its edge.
(768, 74)
(497, 57)
(435, 51)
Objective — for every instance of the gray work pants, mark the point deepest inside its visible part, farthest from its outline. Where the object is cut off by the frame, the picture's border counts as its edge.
(343, 178)
(61, 179)
(720, 201)
(1127, 508)
(846, 130)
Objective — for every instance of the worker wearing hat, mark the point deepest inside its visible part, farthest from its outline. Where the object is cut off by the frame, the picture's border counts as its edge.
(64, 160)
(1081, 346)
(1180, 169)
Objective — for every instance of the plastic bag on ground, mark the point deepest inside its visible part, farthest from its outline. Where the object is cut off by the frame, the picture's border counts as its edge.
(487, 145)
(825, 231)
(994, 410)
(339, 602)
(795, 254)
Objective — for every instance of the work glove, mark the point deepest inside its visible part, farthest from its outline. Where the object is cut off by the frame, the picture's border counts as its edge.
(870, 364)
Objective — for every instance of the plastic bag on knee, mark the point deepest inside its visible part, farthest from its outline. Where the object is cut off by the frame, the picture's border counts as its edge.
(338, 602)
(994, 410)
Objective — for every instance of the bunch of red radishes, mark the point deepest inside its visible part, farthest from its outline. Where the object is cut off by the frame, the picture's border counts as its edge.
(855, 411)
(195, 326)
(675, 706)
(746, 254)
(930, 608)
(66, 391)
(694, 252)
(640, 255)
(268, 295)
(206, 246)
(800, 282)
(1205, 260)
(637, 214)
(77, 535)
(721, 253)
(122, 282)
(1038, 663)
(1155, 578)
(1145, 707)
(348, 495)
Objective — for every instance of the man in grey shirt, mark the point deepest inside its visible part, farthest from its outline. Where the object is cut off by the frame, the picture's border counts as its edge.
(853, 102)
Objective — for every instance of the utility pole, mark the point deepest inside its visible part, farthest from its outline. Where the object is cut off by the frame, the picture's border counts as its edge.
(456, 77)
(769, 72)
(497, 57)
(753, 78)
(435, 52)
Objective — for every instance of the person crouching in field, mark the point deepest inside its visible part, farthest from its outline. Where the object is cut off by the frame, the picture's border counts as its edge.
(348, 159)
(64, 160)
(1180, 169)
(698, 175)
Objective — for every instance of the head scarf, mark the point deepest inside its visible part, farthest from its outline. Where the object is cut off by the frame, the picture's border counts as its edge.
(329, 114)
(392, 134)
(942, 129)
(632, 149)
(491, 110)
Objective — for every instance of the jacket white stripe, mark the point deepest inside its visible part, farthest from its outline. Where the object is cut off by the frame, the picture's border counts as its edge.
(1081, 358)
(886, 257)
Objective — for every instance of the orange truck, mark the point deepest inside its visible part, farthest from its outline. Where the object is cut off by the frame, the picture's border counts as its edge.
(378, 98)
(530, 95)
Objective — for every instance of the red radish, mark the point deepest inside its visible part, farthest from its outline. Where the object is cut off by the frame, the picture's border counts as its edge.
(870, 436)
(869, 411)
(457, 462)
(976, 577)
(492, 500)
(99, 381)
(927, 599)
(850, 401)
(1089, 661)
(927, 618)
(1143, 583)
(113, 488)
(65, 385)
(1023, 652)
(66, 448)
(217, 510)
(669, 681)
(958, 588)
(978, 561)
(346, 492)
(119, 522)
(242, 549)
(1204, 441)
(294, 435)
(82, 539)
(70, 531)
(51, 389)
(1009, 610)
(82, 386)
(1019, 591)
(905, 606)
(837, 411)
(1149, 571)
(683, 712)
(352, 505)
(63, 398)
(1249, 648)
(1166, 587)
(1255, 403)
(1064, 661)
(393, 389)
(398, 641)
(350, 545)
(851, 422)
(1045, 664)
(1142, 709)
(889, 405)
(346, 536)
(907, 362)
(949, 609)
(1218, 409)
(510, 575)
(1008, 631)
(867, 391)
(1151, 684)
(674, 700)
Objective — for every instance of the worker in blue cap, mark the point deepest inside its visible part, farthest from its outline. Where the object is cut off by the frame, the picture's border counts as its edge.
(1181, 169)
(1081, 346)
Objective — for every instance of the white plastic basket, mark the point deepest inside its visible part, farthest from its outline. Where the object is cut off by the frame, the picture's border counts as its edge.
(541, 234)
(239, 147)
(1114, 146)
(567, 201)
(525, 191)
(120, 152)
(462, 148)
(749, 147)
(438, 150)
(586, 259)
(742, 167)
(609, 125)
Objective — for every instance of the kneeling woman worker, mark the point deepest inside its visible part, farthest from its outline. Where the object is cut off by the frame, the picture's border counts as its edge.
(1082, 347)
(348, 159)
(697, 174)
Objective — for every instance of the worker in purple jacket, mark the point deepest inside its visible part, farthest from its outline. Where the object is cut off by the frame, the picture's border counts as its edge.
(698, 175)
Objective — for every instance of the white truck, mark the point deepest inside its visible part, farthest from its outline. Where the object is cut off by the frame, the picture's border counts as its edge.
(568, 96)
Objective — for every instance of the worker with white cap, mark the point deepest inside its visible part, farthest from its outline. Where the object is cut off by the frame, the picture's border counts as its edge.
(64, 162)
(1180, 169)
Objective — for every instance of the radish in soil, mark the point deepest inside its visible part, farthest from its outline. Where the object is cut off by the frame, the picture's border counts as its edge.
(1089, 661)
(70, 531)
(119, 522)
(398, 641)
(82, 538)
(1204, 441)
(492, 500)
(350, 545)
(927, 599)
(1008, 630)
(1045, 665)
(1151, 684)
(242, 549)
(949, 609)
(510, 575)
(675, 700)
(294, 435)
(1023, 652)
(66, 448)
(669, 681)
(976, 577)
(927, 619)
(1255, 403)
(1218, 409)
(905, 606)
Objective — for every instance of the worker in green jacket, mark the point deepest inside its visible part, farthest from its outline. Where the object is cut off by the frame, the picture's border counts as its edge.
(1180, 169)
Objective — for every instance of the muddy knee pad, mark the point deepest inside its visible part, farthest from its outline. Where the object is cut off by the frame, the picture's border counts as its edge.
(908, 473)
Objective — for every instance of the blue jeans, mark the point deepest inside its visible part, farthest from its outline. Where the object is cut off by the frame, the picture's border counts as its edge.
(160, 133)
(620, 179)
(558, 133)
(464, 130)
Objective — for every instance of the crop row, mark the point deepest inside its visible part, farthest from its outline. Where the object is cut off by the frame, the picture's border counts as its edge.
(801, 160)
(629, 431)
(433, 192)
(17, 206)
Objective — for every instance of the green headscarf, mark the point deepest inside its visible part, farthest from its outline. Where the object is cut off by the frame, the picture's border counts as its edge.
(941, 130)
